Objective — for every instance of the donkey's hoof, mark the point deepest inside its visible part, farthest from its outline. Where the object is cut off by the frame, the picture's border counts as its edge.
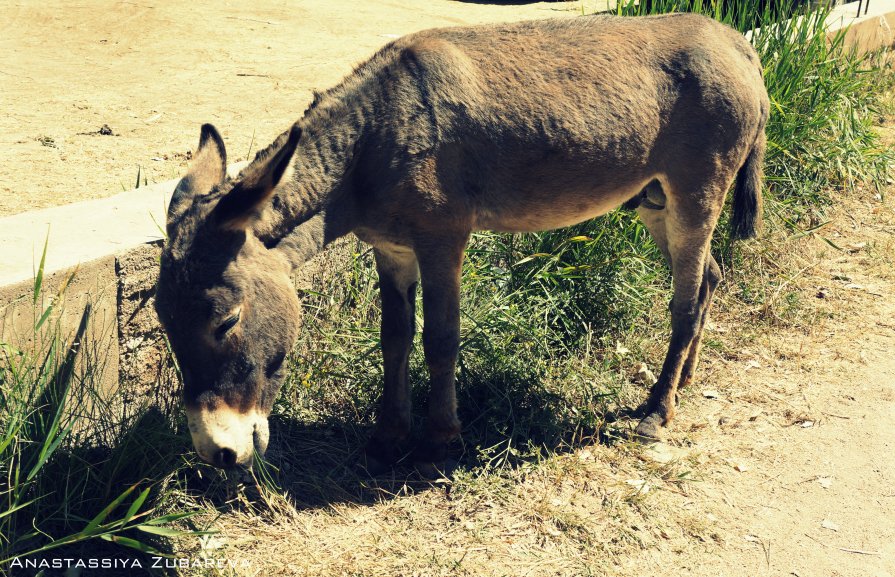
(430, 471)
(430, 451)
(380, 456)
(430, 457)
(650, 428)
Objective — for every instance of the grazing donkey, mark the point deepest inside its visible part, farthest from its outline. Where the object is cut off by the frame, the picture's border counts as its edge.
(511, 127)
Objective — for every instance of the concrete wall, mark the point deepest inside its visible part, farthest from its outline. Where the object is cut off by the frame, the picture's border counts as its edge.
(94, 283)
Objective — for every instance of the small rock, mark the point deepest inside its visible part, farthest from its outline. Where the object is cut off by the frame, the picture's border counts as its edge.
(742, 468)
(822, 293)
(710, 394)
(640, 485)
(827, 524)
(825, 482)
(105, 130)
(645, 376)
(806, 424)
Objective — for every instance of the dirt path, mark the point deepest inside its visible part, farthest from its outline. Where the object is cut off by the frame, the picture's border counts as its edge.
(796, 452)
(799, 479)
(153, 71)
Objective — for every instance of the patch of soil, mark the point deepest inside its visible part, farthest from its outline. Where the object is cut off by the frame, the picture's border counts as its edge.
(95, 92)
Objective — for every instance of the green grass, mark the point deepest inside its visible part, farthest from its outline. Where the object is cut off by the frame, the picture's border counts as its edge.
(76, 466)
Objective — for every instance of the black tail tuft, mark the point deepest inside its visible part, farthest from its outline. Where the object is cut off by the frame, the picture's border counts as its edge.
(746, 219)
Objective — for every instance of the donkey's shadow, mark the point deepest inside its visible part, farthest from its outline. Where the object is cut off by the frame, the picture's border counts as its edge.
(510, 417)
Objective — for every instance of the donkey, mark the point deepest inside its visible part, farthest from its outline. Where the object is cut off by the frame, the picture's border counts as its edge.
(511, 127)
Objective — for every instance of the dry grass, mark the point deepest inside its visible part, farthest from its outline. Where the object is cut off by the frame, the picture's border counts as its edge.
(573, 514)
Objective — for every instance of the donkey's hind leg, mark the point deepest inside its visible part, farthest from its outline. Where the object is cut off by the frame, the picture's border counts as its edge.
(398, 276)
(711, 276)
(683, 231)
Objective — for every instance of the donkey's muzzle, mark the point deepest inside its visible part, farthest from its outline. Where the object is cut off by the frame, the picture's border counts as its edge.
(225, 437)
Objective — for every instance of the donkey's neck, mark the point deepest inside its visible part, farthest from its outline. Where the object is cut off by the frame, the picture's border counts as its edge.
(319, 192)
(319, 177)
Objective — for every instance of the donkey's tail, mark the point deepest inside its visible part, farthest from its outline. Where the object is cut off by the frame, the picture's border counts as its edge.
(746, 219)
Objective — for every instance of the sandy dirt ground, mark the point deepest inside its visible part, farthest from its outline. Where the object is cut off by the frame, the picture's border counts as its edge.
(798, 477)
(153, 72)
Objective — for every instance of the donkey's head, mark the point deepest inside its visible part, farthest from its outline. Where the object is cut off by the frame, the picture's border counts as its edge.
(226, 300)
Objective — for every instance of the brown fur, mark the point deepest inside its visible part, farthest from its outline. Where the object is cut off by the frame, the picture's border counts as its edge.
(512, 127)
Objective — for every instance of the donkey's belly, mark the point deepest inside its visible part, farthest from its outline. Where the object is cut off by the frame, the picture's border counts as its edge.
(530, 213)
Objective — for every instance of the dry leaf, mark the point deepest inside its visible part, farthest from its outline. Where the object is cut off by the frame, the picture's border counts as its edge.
(552, 531)
(640, 485)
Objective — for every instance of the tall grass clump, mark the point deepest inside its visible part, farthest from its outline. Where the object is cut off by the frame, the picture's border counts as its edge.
(77, 467)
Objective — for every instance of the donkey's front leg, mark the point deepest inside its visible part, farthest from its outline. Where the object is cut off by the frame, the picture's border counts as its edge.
(398, 277)
(440, 262)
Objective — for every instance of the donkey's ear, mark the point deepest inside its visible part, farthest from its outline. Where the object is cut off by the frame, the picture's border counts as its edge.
(207, 169)
(243, 204)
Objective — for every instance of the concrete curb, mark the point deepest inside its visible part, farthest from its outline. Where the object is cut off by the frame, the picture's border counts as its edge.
(867, 32)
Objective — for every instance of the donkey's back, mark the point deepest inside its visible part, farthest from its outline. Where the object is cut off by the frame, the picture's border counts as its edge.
(585, 111)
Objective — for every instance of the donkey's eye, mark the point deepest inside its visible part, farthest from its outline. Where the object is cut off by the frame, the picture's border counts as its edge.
(225, 327)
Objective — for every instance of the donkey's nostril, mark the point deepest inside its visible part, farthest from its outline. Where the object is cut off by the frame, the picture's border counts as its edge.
(225, 458)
